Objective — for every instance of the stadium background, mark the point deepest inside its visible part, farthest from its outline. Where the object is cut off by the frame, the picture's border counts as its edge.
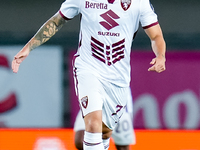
(179, 20)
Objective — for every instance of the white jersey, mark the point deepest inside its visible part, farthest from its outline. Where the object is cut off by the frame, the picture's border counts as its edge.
(106, 34)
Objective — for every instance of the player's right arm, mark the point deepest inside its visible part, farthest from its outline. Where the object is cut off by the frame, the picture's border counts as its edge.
(48, 29)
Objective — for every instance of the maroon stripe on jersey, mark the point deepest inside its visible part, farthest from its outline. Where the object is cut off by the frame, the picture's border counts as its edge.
(96, 47)
(99, 58)
(118, 59)
(94, 50)
(97, 42)
(63, 16)
(108, 58)
(151, 25)
(109, 63)
(118, 53)
(107, 52)
(118, 48)
(118, 43)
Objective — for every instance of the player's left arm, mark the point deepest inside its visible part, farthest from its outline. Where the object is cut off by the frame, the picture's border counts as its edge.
(159, 48)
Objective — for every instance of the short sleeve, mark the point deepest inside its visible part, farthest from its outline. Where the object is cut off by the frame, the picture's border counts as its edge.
(148, 17)
(70, 8)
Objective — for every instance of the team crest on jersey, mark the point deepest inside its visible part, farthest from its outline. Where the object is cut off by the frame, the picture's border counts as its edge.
(84, 102)
(125, 4)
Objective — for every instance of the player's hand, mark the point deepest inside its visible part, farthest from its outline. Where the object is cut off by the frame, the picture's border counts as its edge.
(158, 64)
(18, 58)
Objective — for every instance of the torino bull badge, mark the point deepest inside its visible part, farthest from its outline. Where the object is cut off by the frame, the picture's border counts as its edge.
(125, 4)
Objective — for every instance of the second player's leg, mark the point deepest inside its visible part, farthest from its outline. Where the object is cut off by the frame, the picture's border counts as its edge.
(122, 147)
(79, 136)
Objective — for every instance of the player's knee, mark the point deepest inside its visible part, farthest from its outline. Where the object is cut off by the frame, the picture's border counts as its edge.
(93, 126)
(93, 122)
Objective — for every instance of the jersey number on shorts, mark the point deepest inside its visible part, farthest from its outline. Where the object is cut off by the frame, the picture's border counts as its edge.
(124, 126)
(119, 107)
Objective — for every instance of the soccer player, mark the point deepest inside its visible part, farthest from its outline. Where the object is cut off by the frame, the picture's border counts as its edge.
(102, 62)
(123, 134)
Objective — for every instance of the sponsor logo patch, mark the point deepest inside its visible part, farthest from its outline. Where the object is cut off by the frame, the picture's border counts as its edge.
(109, 20)
(95, 5)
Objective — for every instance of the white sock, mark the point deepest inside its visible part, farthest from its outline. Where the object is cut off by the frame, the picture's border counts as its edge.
(92, 141)
(106, 143)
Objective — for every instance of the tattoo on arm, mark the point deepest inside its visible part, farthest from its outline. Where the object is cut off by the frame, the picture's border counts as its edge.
(49, 29)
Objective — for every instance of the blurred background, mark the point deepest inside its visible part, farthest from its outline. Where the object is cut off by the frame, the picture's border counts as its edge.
(42, 93)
